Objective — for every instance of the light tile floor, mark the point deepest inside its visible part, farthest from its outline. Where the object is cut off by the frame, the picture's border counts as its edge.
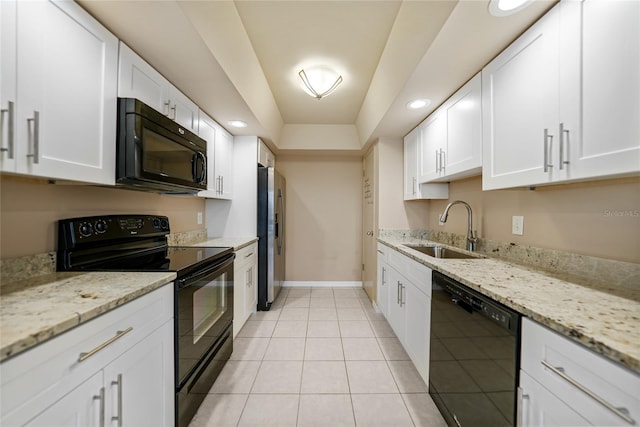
(320, 357)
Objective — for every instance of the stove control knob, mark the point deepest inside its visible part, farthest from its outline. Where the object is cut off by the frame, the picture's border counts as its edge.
(101, 226)
(156, 222)
(85, 229)
(165, 224)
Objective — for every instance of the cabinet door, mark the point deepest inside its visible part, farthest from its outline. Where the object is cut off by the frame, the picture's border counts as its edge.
(541, 408)
(411, 186)
(433, 143)
(251, 289)
(464, 131)
(609, 143)
(207, 130)
(67, 84)
(7, 85)
(183, 110)
(137, 79)
(383, 285)
(520, 107)
(417, 327)
(397, 315)
(81, 407)
(140, 384)
(224, 163)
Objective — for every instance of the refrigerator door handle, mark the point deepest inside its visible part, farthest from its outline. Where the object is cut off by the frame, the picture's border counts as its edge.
(278, 236)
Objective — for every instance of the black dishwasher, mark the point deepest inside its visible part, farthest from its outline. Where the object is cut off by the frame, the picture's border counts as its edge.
(474, 356)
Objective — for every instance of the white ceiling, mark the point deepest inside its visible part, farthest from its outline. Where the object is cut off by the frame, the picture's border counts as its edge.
(239, 60)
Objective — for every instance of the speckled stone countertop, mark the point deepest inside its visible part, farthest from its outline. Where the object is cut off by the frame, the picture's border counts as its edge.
(236, 243)
(605, 323)
(37, 309)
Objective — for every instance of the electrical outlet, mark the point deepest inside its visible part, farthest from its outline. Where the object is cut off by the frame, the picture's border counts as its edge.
(199, 218)
(517, 225)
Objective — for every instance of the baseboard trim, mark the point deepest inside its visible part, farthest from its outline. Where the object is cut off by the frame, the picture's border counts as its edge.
(320, 284)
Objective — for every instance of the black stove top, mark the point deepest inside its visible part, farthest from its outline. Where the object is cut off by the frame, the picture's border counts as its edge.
(127, 243)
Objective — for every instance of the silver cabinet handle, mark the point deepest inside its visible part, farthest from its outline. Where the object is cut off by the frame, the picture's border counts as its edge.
(10, 132)
(563, 131)
(383, 273)
(402, 294)
(414, 185)
(36, 137)
(620, 412)
(118, 417)
(547, 148)
(100, 397)
(437, 160)
(167, 104)
(174, 112)
(222, 184)
(398, 293)
(380, 252)
(442, 161)
(119, 334)
(248, 255)
(519, 408)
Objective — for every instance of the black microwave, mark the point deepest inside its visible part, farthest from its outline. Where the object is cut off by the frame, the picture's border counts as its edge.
(154, 153)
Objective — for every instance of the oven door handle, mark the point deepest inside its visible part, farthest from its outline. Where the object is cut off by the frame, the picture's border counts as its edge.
(189, 280)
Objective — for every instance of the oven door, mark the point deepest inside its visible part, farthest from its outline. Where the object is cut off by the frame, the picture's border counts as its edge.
(204, 311)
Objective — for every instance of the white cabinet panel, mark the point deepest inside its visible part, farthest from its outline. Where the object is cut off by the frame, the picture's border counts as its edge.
(579, 377)
(610, 139)
(397, 313)
(411, 143)
(65, 77)
(433, 146)
(8, 82)
(245, 290)
(520, 105)
(219, 158)
(383, 280)
(138, 79)
(417, 329)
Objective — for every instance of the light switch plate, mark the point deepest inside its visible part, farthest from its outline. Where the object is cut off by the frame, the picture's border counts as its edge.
(199, 218)
(517, 225)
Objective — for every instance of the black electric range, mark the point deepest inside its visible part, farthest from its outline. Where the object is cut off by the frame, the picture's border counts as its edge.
(203, 290)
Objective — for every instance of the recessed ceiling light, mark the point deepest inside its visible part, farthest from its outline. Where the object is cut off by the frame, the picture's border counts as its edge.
(418, 103)
(237, 124)
(507, 7)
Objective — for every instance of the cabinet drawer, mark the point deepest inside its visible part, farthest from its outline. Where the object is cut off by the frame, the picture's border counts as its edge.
(33, 381)
(383, 251)
(418, 274)
(579, 376)
(244, 255)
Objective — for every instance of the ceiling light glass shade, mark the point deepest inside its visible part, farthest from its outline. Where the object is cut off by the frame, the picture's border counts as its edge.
(319, 81)
(507, 7)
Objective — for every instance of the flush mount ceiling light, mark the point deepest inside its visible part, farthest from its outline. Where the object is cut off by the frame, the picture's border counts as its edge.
(507, 7)
(416, 104)
(237, 124)
(319, 81)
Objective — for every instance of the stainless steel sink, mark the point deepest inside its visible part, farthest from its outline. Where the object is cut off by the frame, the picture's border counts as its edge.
(440, 252)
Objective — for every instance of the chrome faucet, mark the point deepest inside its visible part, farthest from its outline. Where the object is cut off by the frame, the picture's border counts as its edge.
(472, 238)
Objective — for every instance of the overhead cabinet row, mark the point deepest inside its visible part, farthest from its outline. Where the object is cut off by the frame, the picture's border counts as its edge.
(62, 72)
(560, 104)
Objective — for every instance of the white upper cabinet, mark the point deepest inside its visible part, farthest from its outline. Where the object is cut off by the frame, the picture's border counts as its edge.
(138, 79)
(562, 102)
(62, 65)
(219, 158)
(411, 142)
(433, 144)
(265, 157)
(452, 136)
(520, 109)
(609, 142)
(413, 189)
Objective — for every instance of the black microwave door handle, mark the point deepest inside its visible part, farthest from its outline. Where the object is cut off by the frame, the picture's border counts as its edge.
(199, 158)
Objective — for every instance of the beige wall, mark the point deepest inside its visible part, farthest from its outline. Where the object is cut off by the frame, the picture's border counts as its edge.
(599, 218)
(393, 211)
(324, 217)
(29, 211)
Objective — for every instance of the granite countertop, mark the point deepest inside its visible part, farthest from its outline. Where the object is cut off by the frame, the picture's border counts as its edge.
(236, 243)
(606, 323)
(37, 309)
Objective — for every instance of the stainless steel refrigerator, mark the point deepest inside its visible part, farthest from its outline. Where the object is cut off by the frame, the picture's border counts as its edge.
(271, 233)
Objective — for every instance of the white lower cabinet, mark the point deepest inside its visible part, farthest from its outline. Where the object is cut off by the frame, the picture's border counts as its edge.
(408, 295)
(245, 289)
(383, 280)
(563, 383)
(116, 369)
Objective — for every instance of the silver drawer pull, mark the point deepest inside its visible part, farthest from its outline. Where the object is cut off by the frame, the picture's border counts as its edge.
(119, 334)
(621, 412)
(248, 255)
